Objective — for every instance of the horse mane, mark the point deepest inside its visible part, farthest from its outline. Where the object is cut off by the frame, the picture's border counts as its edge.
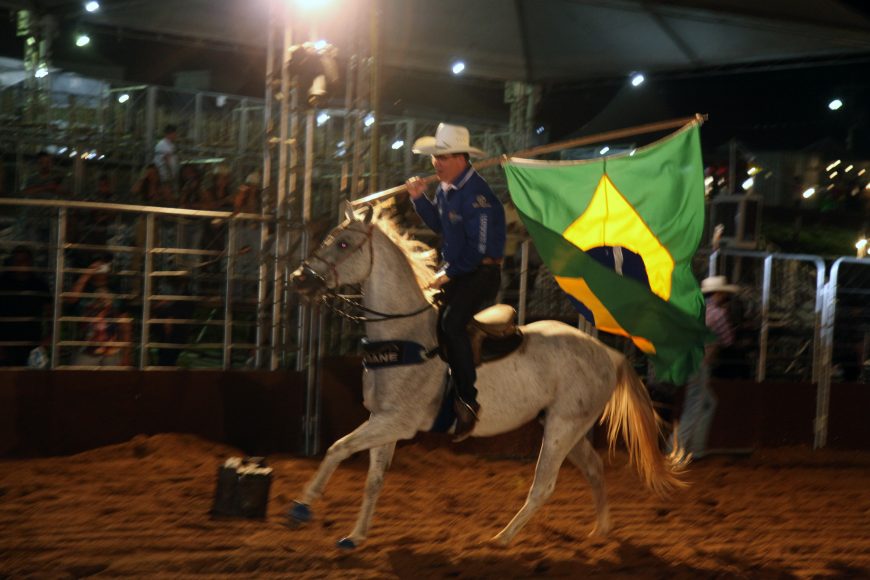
(421, 257)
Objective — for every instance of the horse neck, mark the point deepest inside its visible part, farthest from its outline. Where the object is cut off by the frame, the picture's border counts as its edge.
(392, 288)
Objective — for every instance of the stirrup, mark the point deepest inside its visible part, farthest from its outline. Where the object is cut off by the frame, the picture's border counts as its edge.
(467, 415)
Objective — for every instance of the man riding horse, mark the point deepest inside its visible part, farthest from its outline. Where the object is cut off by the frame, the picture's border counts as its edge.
(471, 220)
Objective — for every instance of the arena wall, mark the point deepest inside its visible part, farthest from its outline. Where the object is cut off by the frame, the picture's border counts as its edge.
(64, 412)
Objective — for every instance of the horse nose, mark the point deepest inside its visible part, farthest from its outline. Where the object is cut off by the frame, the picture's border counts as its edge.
(301, 281)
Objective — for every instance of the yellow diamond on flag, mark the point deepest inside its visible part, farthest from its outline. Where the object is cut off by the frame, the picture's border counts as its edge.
(609, 220)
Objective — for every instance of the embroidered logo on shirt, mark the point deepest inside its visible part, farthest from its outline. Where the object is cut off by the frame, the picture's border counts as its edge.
(481, 202)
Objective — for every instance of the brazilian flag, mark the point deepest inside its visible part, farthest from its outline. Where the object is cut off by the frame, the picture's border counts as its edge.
(618, 233)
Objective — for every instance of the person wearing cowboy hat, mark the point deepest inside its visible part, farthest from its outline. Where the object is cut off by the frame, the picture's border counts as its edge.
(471, 221)
(699, 404)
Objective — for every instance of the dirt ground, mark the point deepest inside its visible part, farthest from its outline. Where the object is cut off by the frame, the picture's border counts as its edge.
(141, 509)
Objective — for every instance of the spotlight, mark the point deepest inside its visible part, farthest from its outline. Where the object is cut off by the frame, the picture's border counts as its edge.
(835, 104)
(92, 6)
(123, 98)
(747, 185)
(83, 40)
(637, 79)
(397, 144)
(809, 192)
(458, 67)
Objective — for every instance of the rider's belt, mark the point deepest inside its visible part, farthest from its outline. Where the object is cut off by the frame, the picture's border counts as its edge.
(487, 261)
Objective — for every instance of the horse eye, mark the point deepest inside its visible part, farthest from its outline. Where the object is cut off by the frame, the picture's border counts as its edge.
(342, 244)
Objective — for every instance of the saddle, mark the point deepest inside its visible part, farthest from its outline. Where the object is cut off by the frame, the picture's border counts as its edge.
(494, 334)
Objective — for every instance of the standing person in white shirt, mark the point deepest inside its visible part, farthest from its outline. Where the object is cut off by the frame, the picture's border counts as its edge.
(166, 159)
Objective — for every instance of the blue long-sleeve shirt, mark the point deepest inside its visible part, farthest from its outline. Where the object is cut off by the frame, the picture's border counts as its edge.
(470, 219)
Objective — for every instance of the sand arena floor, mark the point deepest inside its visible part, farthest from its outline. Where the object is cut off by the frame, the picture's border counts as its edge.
(140, 509)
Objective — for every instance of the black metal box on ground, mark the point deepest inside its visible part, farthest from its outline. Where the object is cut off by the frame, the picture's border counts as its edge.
(242, 488)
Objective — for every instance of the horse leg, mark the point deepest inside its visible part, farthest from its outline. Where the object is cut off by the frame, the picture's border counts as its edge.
(379, 462)
(373, 433)
(583, 455)
(560, 435)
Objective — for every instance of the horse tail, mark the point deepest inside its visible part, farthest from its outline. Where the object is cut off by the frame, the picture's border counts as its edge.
(630, 411)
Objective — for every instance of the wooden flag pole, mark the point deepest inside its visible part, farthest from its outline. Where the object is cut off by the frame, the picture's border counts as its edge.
(550, 148)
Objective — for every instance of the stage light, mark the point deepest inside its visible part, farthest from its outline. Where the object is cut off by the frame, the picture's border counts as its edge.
(458, 67)
(809, 192)
(83, 40)
(398, 144)
(123, 98)
(848, 168)
(832, 165)
(311, 4)
(637, 79)
(835, 104)
(92, 6)
(747, 185)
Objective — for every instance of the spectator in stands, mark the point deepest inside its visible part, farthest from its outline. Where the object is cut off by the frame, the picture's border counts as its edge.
(218, 195)
(106, 321)
(166, 158)
(247, 197)
(46, 183)
(191, 186)
(699, 404)
(149, 190)
(25, 297)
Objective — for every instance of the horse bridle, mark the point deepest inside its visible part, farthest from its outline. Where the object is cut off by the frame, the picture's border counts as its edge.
(333, 266)
(330, 293)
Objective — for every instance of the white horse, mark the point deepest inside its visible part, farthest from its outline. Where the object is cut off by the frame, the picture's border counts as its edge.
(569, 375)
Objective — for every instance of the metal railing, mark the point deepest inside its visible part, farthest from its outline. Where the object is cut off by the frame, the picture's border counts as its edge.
(164, 276)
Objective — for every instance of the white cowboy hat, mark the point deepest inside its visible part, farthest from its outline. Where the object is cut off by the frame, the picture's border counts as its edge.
(448, 139)
(717, 284)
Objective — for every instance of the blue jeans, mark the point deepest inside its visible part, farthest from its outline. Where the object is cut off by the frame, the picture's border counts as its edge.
(699, 407)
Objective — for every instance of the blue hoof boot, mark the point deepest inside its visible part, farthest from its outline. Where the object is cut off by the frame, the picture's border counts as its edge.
(346, 544)
(300, 513)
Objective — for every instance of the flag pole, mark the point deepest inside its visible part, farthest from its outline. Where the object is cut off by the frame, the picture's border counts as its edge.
(549, 148)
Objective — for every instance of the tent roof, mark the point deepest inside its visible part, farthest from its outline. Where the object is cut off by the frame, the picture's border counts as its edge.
(534, 40)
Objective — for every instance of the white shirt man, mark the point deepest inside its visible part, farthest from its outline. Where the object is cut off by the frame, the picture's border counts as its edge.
(165, 157)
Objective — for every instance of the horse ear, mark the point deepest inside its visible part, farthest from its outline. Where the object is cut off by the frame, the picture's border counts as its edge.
(348, 211)
(368, 213)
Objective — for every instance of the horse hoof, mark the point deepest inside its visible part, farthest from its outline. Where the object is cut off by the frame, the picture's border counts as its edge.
(345, 544)
(300, 513)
